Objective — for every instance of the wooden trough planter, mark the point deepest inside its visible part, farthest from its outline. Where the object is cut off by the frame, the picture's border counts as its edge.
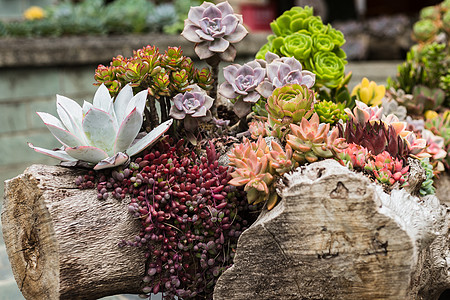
(334, 235)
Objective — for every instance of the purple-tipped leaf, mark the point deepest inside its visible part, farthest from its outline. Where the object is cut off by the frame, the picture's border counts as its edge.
(87, 153)
(58, 154)
(59, 131)
(128, 131)
(111, 162)
(150, 138)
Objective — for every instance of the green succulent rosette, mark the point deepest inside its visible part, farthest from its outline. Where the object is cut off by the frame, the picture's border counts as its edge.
(322, 42)
(289, 104)
(291, 20)
(328, 67)
(336, 36)
(425, 29)
(446, 21)
(330, 112)
(298, 45)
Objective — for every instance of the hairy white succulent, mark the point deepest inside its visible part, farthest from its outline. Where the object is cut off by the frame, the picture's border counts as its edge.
(103, 132)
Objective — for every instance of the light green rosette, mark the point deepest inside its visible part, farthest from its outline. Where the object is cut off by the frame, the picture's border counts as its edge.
(328, 67)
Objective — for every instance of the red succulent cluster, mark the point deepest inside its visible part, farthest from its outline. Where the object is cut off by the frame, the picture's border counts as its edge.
(190, 217)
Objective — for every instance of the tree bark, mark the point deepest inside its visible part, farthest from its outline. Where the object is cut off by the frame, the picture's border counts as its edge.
(63, 243)
(336, 235)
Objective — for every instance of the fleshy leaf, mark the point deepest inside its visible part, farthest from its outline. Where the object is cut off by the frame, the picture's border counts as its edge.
(87, 153)
(128, 131)
(58, 130)
(111, 162)
(100, 130)
(150, 138)
(58, 154)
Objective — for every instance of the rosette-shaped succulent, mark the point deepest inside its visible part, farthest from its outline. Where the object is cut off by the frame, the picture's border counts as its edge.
(282, 71)
(363, 113)
(427, 187)
(214, 28)
(328, 67)
(369, 92)
(251, 162)
(425, 29)
(298, 45)
(310, 140)
(100, 133)
(240, 85)
(330, 112)
(289, 104)
(292, 20)
(192, 106)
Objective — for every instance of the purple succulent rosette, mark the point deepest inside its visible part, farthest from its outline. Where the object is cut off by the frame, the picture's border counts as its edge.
(241, 83)
(214, 28)
(282, 71)
(192, 106)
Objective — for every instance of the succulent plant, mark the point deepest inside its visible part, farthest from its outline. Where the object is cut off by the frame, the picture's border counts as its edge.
(282, 71)
(330, 112)
(310, 140)
(427, 187)
(425, 30)
(387, 169)
(377, 137)
(258, 128)
(391, 106)
(299, 34)
(425, 99)
(363, 113)
(354, 156)
(240, 85)
(102, 132)
(369, 92)
(214, 28)
(289, 104)
(251, 162)
(163, 15)
(191, 107)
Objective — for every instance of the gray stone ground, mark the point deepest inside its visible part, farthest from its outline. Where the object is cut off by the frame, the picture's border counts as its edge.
(377, 71)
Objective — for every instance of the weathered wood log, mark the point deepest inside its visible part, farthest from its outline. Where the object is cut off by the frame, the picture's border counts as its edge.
(63, 243)
(336, 235)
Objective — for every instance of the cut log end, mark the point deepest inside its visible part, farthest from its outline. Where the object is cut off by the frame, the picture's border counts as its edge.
(63, 243)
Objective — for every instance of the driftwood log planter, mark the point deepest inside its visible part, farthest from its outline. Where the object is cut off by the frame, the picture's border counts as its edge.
(334, 235)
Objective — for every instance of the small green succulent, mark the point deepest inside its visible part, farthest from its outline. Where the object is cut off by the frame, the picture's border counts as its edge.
(425, 29)
(427, 187)
(330, 112)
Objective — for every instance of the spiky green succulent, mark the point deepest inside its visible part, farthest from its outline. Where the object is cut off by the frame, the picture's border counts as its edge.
(427, 187)
(330, 112)
(299, 34)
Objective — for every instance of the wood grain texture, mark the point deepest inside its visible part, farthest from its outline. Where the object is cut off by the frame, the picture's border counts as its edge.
(62, 241)
(336, 235)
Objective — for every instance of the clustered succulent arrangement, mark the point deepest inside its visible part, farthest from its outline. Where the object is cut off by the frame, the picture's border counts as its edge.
(194, 192)
(94, 17)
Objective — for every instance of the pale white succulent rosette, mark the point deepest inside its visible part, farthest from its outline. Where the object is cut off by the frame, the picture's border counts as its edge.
(102, 133)
(214, 28)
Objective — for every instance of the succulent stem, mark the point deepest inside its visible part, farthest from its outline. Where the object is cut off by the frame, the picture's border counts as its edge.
(162, 105)
(153, 117)
(214, 63)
